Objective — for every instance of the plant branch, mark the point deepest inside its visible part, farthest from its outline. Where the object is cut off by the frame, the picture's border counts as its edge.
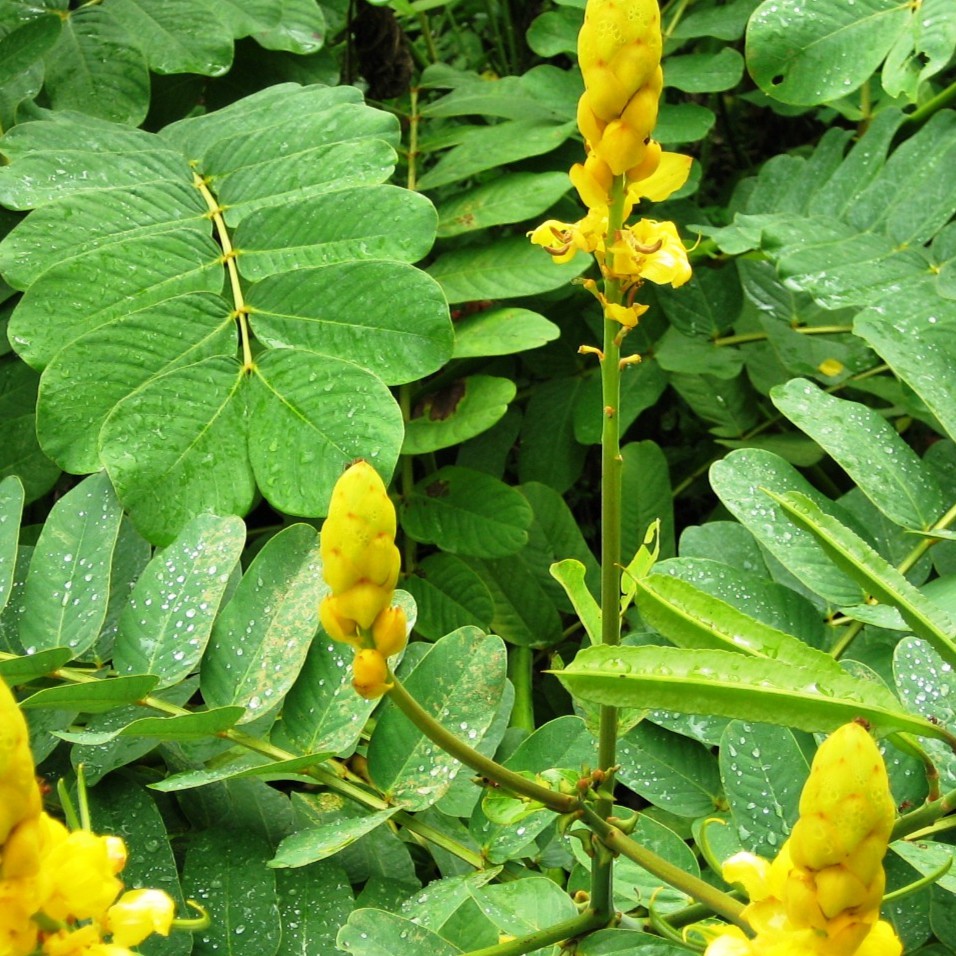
(491, 769)
(940, 100)
(566, 930)
(618, 842)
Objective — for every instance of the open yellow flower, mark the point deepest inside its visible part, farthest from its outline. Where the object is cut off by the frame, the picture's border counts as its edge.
(648, 250)
(57, 887)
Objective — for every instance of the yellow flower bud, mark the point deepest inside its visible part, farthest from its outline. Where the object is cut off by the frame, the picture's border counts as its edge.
(139, 913)
(592, 179)
(358, 536)
(846, 799)
(839, 889)
(360, 561)
(592, 128)
(389, 631)
(19, 793)
(362, 603)
(336, 626)
(370, 673)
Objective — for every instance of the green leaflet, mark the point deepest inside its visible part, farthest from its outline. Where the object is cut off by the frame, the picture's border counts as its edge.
(854, 556)
(731, 685)
(818, 51)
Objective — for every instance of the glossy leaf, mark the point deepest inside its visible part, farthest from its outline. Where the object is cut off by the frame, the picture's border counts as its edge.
(467, 512)
(230, 878)
(314, 902)
(525, 906)
(372, 932)
(668, 770)
(20, 670)
(809, 53)
(96, 67)
(66, 592)
(318, 843)
(11, 510)
(524, 611)
(177, 727)
(83, 384)
(691, 617)
(502, 332)
(739, 480)
(763, 765)
(465, 409)
(921, 349)
(370, 222)
(122, 807)
(570, 574)
(877, 575)
(508, 268)
(449, 595)
(93, 697)
(163, 473)
(310, 416)
(165, 626)
(388, 316)
(260, 639)
(514, 197)
(731, 685)
(322, 710)
(883, 466)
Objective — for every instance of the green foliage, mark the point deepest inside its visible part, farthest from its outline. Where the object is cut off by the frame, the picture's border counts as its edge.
(225, 272)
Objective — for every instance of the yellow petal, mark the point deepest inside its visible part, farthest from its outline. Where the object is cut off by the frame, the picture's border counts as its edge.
(389, 631)
(750, 871)
(671, 174)
(370, 674)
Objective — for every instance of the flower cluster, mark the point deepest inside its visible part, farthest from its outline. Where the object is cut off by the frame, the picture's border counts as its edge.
(619, 49)
(821, 896)
(59, 889)
(360, 564)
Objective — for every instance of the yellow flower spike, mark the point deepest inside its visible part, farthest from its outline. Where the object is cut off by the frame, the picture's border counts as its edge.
(821, 895)
(370, 673)
(19, 793)
(139, 913)
(637, 64)
(360, 561)
(880, 941)
(389, 631)
(846, 799)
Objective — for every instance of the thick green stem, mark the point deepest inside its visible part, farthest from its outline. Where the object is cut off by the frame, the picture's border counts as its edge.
(611, 477)
(619, 843)
(924, 816)
(569, 929)
(941, 99)
(520, 660)
(488, 768)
